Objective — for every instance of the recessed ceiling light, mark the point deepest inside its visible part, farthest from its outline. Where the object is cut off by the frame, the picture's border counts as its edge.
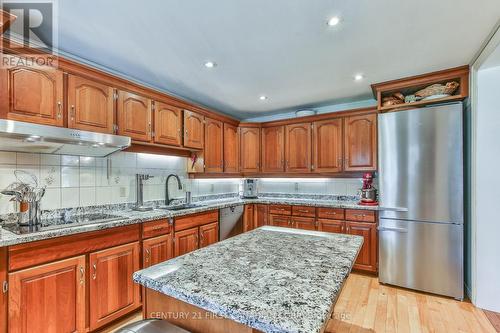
(333, 21)
(210, 64)
(263, 97)
(358, 77)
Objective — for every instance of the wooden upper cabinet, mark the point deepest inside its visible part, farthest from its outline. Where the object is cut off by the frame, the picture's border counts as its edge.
(32, 94)
(298, 147)
(231, 148)
(48, 298)
(273, 149)
(112, 291)
(90, 105)
(209, 234)
(194, 130)
(250, 149)
(168, 124)
(134, 116)
(327, 145)
(213, 145)
(156, 250)
(360, 143)
(185, 241)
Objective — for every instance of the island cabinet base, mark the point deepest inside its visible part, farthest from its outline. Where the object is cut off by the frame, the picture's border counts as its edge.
(187, 316)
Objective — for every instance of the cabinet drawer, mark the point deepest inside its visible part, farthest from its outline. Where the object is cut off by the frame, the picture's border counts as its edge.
(304, 211)
(360, 215)
(331, 213)
(279, 221)
(155, 228)
(280, 209)
(194, 220)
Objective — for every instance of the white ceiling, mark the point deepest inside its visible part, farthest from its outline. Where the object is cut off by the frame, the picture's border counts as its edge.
(280, 48)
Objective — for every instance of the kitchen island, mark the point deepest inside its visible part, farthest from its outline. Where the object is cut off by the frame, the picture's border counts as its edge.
(268, 280)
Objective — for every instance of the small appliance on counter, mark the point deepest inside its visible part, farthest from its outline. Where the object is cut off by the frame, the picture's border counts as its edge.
(368, 192)
(250, 188)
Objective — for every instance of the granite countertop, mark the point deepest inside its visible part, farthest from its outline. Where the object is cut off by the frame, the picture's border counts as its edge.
(131, 217)
(271, 279)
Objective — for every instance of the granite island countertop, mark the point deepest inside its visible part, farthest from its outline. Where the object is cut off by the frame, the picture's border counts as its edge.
(130, 216)
(271, 279)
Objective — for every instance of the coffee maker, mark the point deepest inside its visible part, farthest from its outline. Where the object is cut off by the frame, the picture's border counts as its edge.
(368, 193)
(250, 188)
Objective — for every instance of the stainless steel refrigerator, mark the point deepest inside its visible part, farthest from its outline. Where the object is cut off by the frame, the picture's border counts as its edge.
(421, 199)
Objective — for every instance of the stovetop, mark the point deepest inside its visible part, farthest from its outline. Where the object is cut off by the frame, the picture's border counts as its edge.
(63, 222)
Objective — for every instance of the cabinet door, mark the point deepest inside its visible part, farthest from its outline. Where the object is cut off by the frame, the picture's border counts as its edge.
(32, 94)
(273, 149)
(168, 124)
(185, 241)
(112, 291)
(280, 221)
(248, 218)
(298, 147)
(156, 250)
(250, 149)
(327, 145)
(213, 145)
(336, 226)
(90, 105)
(209, 234)
(261, 215)
(367, 257)
(307, 223)
(360, 143)
(194, 130)
(48, 298)
(231, 148)
(134, 116)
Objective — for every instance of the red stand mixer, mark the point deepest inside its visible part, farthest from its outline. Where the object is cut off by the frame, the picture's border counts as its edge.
(368, 192)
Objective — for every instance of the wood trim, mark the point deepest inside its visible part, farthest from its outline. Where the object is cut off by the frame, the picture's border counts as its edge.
(6, 20)
(44, 251)
(159, 149)
(3, 296)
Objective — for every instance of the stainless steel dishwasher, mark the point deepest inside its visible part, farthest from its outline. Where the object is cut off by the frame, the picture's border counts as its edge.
(231, 222)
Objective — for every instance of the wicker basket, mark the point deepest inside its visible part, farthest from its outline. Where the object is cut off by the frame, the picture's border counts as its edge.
(438, 89)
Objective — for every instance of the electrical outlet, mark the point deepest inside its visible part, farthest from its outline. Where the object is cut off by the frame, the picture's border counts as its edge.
(123, 191)
(296, 187)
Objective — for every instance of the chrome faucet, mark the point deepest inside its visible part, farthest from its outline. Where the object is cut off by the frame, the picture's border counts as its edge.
(139, 205)
(167, 198)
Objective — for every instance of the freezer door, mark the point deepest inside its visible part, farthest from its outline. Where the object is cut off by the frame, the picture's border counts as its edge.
(422, 256)
(421, 164)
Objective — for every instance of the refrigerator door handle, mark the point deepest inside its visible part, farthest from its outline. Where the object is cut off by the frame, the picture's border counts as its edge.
(392, 229)
(394, 209)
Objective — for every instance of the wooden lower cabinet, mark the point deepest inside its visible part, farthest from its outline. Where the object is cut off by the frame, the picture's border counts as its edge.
(209, 234)
(334, 226)
(112, 291)
(186, 241)
(248, 218)
(367, 257)
(306, 223)
(156, 250)
(48, 298)
(279, 220)
(261, 213)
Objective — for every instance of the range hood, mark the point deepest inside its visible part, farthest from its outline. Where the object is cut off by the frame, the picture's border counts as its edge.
(33, 138)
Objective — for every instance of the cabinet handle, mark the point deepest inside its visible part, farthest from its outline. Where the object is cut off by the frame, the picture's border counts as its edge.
(202, 239)
(72, 112)
(303, 211)
(59, 113)
(94, 275)
(342, 228)
(82, 275)
(147, 255)
(331, 213)
(186, 133)
(149, 128)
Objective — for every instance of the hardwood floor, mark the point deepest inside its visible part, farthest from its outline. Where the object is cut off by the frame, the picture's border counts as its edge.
(365, 306)
(494, 318)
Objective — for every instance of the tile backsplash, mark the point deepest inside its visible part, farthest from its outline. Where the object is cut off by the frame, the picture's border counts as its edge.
(74, 181)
